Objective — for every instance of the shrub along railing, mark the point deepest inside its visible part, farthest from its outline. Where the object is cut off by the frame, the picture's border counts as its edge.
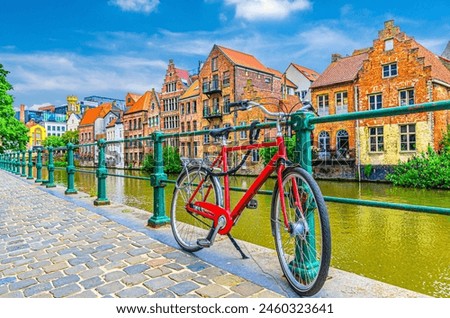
(301, 124)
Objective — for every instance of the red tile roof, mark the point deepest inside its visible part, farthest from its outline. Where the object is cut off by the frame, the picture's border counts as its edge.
(244, 59)
(343, 70)
(183, 74)
(438, 69)
(92, 114)
(308, 73)
(141, 104)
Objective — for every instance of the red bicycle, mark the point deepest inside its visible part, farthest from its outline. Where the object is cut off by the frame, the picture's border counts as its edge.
(299, 219)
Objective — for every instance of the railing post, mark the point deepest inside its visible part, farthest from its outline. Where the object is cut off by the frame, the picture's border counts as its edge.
(17, 163)
(303, 152)
(30, 164)
(157, 181)
(101, 174)
(7, 162)
(38, 166)
(51, 169)
(23, 164)
(70, 171)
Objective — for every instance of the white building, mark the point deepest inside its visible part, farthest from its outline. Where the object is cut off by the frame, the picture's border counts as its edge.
(115, 151)
(54, 128)
(73, 122)
(302, 77)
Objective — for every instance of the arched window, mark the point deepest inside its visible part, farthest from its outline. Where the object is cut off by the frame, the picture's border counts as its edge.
(324, 145)
(341, 143)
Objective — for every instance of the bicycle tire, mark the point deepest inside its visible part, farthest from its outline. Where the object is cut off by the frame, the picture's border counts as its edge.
(187, 227)
(305, 253)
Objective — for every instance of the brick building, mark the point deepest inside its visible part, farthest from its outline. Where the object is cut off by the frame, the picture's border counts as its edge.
(226, 76)
(190, 121)
(396, 70)
(175, 84)
(136, 121)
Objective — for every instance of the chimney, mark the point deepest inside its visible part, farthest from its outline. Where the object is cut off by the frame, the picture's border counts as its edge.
(335, 57)
(22, 113)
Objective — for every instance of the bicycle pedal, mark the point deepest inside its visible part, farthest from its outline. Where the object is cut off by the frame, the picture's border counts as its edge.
(253, 204)
(204, 243)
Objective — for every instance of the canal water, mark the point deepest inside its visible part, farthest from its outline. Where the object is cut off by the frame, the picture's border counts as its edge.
(406, 249)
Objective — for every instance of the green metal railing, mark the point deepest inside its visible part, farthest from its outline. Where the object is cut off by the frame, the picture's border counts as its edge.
(302, 125)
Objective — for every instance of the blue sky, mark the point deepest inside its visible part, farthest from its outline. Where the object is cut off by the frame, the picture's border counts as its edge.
(110, 47)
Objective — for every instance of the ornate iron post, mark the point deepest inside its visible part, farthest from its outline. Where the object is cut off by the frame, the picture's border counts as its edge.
(30, 164)
(51, 169)
(157, 181)
(17, 163)
(303, 156)
(23, 164)
(39, 166)
(70, 171)
(101, 174)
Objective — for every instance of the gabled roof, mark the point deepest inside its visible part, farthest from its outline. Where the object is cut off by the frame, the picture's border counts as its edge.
(134, 96)
(438, 69)
(343, 70)
(192, 91)
(182, 74)
(287, 82)
(92, 114)
(308, 73)
(244, 59)
(142, 103)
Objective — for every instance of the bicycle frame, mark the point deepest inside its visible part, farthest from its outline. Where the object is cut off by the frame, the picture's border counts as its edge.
(214, 212)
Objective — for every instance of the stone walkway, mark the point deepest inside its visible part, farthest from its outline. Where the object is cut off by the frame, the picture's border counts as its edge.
(50, 247)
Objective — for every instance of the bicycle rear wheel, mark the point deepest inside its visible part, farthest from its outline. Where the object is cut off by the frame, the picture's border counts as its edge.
(188, 227)
(304, 246)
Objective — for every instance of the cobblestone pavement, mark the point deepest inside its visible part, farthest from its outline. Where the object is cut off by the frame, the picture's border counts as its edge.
(53, 248)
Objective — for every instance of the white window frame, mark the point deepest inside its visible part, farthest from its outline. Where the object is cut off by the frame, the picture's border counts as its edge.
(375, 104)
(389, 69)
(375, 133)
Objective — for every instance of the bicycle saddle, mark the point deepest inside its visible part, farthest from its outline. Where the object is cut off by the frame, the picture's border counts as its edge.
(219, 132)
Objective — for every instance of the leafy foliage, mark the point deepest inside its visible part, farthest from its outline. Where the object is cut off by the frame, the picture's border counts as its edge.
(430, 170)
(70, 136)
(171, 158)
(53, 141)
(13, 133)
(267, 153)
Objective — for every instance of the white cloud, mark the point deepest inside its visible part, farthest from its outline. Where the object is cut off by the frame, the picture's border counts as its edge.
(253, 10)
(49, 75)
(145, 6)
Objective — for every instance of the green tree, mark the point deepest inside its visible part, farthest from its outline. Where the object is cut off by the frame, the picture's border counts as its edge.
(13, 133)
(267, 153)
(70, 136)
(54, 141)
(171, 157)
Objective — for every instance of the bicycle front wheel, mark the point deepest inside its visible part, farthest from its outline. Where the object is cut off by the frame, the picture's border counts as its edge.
(193, 185)
(304, 245)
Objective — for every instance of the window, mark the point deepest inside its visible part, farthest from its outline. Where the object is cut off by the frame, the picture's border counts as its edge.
(206, 137)
(206, 111)
(376, 139)
(322, 103)
(255, 155)
(243, 133)
(182, 127)
(194, 106)
(268, 80)
(375, 101)
(214, 64)
(390, 70)
(226, 102)
(216, 107)
(194, 125)
(226, 78)
(342, 143)
(406, 97)
(341, 103)
(408, 137)
(195, 149)
(188, 126)
(389, 45)
(324, 145)
(188, 108)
